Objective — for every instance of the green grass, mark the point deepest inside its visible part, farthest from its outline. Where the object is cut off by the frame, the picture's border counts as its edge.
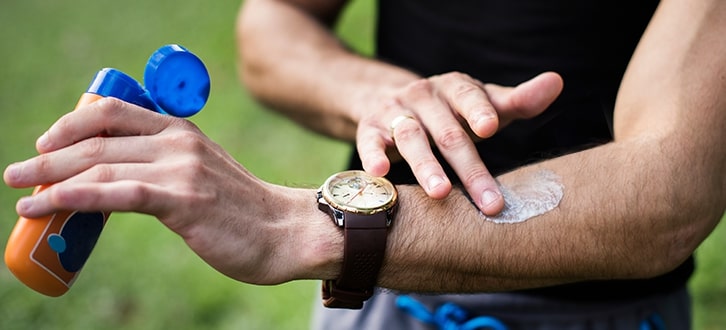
(141, 276)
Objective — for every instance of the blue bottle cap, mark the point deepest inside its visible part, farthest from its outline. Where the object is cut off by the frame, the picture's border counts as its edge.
(177, 83)
(114, 83)
(177, 80)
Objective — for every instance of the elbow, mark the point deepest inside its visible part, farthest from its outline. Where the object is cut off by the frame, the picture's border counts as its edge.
(252, 77)
(680, 200)
(672, 246)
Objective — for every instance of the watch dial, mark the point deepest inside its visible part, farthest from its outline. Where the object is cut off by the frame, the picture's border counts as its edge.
(360, 191)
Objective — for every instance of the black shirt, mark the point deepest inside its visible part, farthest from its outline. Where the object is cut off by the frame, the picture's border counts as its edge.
(589, 43)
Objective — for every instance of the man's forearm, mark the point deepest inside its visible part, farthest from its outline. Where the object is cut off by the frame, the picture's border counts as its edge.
(621, 217)
(633, 208)
(304, 69)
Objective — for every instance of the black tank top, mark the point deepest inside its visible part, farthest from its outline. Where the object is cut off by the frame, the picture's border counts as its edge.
(507, 42)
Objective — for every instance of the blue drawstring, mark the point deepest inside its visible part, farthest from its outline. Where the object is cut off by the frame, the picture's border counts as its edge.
(653, 322)
(448, 316)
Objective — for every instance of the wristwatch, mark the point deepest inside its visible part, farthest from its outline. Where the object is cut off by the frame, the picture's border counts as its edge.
(363, 206)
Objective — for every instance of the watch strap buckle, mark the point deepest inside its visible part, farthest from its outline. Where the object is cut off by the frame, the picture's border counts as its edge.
(335, 297)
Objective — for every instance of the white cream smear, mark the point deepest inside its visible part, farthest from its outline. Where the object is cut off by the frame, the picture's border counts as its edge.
(537, 195)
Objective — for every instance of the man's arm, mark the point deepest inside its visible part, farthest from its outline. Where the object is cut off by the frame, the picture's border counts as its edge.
(634, 208)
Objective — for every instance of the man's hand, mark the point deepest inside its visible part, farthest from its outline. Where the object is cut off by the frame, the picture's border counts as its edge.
(166, 167)
(452, 110)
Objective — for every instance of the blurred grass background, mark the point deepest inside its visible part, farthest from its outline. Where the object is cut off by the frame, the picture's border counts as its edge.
(141, 276)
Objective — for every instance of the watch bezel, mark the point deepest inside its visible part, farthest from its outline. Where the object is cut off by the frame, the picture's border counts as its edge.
(331, 201)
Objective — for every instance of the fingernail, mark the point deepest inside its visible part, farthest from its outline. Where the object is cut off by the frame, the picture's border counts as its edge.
(43, 140)
(485, 115)
(24, 204)
(484, 121)
(434, 181)
(489, 197)
(13, 173)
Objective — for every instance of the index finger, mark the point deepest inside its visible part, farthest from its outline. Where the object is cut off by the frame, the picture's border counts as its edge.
(107, 116)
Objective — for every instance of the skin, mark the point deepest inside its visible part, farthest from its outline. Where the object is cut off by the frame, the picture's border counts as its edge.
(633, 208)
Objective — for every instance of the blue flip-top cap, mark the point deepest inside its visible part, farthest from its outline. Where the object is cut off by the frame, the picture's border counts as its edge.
(177, 80)
(114, 83)
(177, 83)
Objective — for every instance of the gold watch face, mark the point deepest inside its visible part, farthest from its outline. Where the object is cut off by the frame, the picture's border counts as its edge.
(359, 192)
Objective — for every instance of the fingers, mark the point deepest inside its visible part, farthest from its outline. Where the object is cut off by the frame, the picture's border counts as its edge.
(124, 195)
(61, 164)
(413, 146)
(412, 142)
(102, 186)
(174, 177)
(445, 108)
(108, 116)
(527, 99)
(490, 107)
(454, 144)
(137, 150)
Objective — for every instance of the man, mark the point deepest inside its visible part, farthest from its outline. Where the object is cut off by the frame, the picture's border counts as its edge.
(619, 190)
(633, 208)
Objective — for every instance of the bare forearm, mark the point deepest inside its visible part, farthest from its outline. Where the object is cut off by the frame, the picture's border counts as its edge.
(634, 208)
(615, 221)
(304, 68)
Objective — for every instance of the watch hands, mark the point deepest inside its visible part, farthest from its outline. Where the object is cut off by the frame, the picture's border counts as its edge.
(365, 185)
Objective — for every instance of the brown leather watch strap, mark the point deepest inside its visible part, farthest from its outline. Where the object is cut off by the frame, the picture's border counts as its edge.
(365, 246)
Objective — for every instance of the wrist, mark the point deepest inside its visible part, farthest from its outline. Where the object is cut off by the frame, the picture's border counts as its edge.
(362, 207)
(316, 252)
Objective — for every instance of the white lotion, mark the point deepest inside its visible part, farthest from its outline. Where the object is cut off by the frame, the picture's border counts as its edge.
(537, 195)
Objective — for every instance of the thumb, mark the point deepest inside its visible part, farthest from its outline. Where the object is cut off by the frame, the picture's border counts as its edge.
(527, 99)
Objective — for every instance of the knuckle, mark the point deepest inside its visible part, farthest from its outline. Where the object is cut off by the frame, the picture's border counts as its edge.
(455, 76)
(108, 107)
(195, 167)
(187, 140)
(43, 164)
(59, 197)
(109, 104)
(408, 131)
(465, 90)
(517, 102)
(419, 88)
(92, 148)
(452, 138)
(139, 197)
(190, 171)
(184, 124)
(101, 173)
(424, 165)
(474, 174)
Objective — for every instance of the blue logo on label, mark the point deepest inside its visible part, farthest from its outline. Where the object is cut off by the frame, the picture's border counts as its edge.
(77, 239)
